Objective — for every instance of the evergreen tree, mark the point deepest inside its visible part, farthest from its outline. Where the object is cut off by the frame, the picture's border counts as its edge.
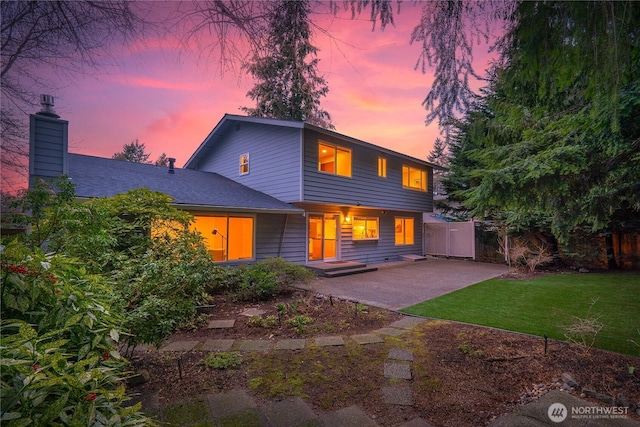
(288, 86)
(556, 139)
(134, 152)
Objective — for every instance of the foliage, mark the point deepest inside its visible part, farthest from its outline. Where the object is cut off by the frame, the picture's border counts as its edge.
(41, 209)
(60, 329)
(223, 360)
(160, 268)
(298, 322)
(259, 281)
(288, 86)
(287, 273)
(530, 250)
(135, 152)
(555, 140)
(264, 322)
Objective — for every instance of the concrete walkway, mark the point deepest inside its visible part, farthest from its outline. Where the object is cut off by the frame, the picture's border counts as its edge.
(398, 285)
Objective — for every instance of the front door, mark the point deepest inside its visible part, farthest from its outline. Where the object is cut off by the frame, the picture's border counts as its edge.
(323, 237)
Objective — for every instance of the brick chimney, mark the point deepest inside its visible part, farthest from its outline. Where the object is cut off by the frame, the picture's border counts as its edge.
(48, 142)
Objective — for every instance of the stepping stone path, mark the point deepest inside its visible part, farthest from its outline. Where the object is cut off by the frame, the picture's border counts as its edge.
(238, 408)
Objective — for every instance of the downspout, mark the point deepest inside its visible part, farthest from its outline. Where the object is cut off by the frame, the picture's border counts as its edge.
(284, 229)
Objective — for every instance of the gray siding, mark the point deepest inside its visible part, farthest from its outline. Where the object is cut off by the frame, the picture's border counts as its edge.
(372, 251)
(364, 186)
(282, 236)
(47, 146)
(274, 158)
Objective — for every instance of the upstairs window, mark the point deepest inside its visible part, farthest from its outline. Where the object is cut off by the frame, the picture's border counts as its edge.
(365, 228)
(382, 167)
(244, 164)
(334, 159)
(414, 178)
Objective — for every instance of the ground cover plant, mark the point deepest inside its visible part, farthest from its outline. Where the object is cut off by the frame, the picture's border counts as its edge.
(549, 305)
(462, 375)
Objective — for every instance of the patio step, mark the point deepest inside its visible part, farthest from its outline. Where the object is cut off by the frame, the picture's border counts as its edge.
(349, 271)
(340, 268)
(413, 258)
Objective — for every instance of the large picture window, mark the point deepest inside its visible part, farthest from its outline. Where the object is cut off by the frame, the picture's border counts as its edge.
(404, 231)
(414, 178)
(228, 238)
(333, 159)
(365, 228)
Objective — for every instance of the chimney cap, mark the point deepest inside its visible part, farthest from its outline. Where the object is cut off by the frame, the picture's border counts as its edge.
(47, 102)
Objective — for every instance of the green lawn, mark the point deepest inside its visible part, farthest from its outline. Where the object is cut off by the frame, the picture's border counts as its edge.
(545, 304)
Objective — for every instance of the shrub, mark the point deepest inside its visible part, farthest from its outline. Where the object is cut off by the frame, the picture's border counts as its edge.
(160, 269)
(256, 285)
(287, 273)
(60, 365)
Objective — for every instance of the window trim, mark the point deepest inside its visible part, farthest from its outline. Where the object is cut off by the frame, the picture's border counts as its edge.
(229, 215)
(404, 231)
(366, 219)
(336, 148)
(382, 167)
(424, 178)
(245, 164)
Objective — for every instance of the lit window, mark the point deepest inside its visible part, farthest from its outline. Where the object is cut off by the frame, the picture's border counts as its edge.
(414, 178)
(365, 228)
(382, 167)
(244, 164)
(333, 159)
(404, 231)
(228, 238)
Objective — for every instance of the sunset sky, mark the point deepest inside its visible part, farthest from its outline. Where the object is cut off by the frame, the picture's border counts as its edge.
(170, 101)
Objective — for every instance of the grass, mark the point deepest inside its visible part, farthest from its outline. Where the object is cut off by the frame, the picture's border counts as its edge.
(547, 304)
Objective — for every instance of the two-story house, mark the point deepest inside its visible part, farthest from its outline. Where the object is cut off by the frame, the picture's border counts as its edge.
(262, 188)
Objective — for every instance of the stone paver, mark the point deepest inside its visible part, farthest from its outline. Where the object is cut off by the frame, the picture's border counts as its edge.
(255, 345)
(400, 354)
(291, 344)
(221, 324)
(399, 371)
(329, 341)
(250, 312)
(290, 413)
(366, 339)
(217, 345)
(398, 395)
(224, 404)
(392, 332)
(180, 346)
(407, 322)
(347, 417)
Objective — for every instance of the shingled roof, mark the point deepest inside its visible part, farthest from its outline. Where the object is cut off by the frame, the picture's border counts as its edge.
(190, 189)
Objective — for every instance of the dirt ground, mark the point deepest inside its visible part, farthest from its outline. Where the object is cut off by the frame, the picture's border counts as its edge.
(462, 375)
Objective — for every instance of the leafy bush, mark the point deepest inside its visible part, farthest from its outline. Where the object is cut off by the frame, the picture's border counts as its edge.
(60, 365)
(138, 240)
(256, 285)
(260, 281)
(287, 273)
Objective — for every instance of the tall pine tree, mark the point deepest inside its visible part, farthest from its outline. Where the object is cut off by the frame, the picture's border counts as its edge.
(288, 86)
